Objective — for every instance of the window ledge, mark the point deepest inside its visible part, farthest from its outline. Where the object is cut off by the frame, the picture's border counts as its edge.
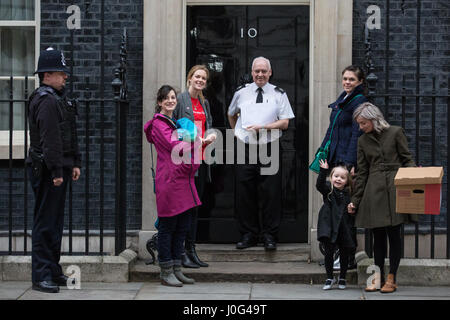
(18, 144)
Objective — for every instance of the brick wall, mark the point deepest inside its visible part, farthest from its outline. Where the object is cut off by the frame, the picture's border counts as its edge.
(86, 59)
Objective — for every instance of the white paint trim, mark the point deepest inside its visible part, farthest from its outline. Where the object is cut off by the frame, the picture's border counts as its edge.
(18, 135)
(37, 12)
(18, 23)
(311, 101)
(247, 3)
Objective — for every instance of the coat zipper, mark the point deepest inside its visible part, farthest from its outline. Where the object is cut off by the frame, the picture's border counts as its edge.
(190, 186)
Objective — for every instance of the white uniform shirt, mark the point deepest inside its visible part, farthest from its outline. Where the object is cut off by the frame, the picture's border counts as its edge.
(275, 99)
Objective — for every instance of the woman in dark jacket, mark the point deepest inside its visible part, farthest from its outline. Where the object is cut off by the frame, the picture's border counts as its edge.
(334, 226)
(193, 105)
(344, 138)
(346, 132)
(382, 149)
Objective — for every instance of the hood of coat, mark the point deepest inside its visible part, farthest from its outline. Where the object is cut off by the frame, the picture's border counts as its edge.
(148, 127)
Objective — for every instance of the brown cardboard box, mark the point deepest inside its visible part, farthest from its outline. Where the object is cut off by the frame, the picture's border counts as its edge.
(419, 190)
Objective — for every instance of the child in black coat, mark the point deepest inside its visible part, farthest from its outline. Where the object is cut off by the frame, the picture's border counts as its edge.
(334, 226)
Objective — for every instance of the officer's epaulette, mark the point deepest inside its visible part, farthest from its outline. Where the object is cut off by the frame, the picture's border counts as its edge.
(241, 87)
(280, 90)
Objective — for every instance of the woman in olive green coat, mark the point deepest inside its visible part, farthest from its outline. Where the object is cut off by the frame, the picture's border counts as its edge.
(382, 149)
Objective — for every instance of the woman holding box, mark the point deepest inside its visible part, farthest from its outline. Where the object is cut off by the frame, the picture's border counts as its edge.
(382, 149)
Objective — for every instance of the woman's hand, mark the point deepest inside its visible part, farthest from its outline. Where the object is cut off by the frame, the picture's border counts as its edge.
(209, 139)
(324, 164)
(58, 181)
(76, 172)
(351, 209)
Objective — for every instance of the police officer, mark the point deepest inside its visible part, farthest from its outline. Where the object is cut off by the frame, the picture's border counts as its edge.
(53, 159)
(249, 103)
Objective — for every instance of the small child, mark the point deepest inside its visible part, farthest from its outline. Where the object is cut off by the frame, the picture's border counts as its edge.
(334, 226)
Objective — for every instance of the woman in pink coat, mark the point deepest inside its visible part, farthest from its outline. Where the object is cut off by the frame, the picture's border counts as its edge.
(174, 186)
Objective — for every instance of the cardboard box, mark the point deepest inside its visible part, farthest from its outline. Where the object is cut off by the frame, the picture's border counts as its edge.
(419, 190)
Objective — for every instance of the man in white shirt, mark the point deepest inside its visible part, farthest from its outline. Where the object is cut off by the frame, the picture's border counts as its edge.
(258, 113)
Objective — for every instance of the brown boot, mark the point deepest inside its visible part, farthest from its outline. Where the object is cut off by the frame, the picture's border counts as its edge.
(390, 285)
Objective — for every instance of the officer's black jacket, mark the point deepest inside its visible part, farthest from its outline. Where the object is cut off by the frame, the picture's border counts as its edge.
(45, 112)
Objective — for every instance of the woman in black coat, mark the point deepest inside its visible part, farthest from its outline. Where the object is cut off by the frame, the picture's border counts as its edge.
(334, 226)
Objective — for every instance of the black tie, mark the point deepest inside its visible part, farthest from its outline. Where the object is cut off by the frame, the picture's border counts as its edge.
(259, 98)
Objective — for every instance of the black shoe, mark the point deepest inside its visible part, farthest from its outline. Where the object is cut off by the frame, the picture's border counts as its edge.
(62, 280)
(192, 254)
(247, 241)
(188, 263)
(269, 243)
(46, 286)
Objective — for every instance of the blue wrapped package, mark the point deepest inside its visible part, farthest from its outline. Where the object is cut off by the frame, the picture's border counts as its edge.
(186, 129)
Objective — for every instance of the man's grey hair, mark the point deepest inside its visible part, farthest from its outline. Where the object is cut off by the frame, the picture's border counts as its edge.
(371, 112)
(261, 58)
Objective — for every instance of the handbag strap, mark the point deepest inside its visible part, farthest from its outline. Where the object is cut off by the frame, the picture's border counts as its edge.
(152, 168)
(334, 121)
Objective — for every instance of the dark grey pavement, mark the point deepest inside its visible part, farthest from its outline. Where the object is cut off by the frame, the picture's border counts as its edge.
(20, 290)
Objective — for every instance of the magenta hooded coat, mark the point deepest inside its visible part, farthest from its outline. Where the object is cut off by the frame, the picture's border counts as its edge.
(174, 183)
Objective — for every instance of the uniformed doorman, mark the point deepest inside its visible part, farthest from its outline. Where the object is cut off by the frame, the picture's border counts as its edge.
(53, 160)
(256, 106)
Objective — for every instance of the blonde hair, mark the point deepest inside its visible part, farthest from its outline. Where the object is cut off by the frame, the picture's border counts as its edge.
(371, 112)
(349, 180)
(191, 74)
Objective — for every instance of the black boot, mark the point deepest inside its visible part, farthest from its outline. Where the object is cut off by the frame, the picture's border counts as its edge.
(192, 254)
(186, 262)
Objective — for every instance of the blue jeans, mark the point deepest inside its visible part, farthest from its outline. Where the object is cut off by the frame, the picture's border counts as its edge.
(171, 234)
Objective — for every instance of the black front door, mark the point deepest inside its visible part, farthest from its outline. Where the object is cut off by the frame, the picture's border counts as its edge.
(227, 39)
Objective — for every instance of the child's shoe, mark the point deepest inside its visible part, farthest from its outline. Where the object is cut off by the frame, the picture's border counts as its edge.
(329, 284)
(342, 283)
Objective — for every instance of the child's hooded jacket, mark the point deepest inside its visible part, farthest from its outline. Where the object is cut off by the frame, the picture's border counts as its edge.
(174, 183)
(334, 223)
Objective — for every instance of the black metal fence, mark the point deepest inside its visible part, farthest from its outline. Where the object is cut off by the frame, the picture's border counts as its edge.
(18, 207)
(425, 116)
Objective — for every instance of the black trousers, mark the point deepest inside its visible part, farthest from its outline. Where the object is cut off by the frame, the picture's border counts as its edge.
(329, 259)
(258, 197)
(48, 224)
(171, 234)
(200, 185)
(380, 236)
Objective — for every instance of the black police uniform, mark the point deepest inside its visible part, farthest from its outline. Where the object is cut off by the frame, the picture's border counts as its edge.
(53, 153)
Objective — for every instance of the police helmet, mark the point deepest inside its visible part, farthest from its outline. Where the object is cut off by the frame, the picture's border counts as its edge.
(52, 60)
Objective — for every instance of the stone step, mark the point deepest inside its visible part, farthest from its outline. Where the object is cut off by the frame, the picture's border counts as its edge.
(255, 272)
(286, 252)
